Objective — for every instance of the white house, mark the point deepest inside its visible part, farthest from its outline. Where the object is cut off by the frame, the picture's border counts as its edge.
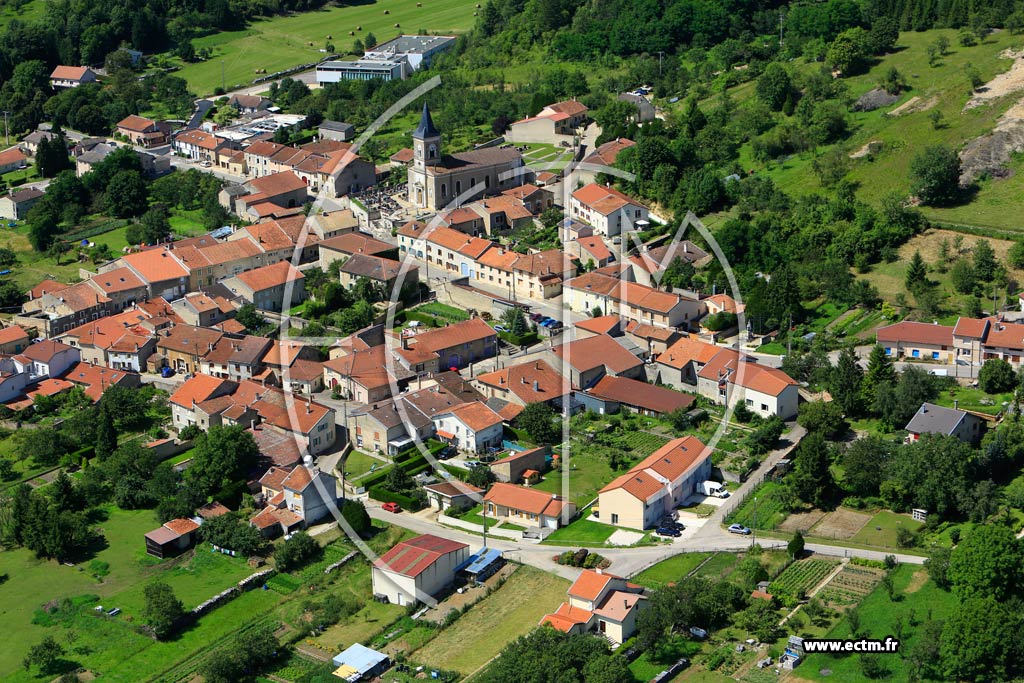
(48, 358)
(302, 498)
(600, 602)
(527, 507)
(418, 568)
(471, 427)
(656, 485)
(609, 211)
(763, 390)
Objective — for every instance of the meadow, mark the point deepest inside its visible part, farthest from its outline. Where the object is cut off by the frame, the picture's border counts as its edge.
(283, 42)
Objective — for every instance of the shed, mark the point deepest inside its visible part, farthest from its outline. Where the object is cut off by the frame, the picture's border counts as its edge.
(482, 565)
(359, 662)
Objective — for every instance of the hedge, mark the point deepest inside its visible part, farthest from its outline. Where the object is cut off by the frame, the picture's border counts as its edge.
(527, 339)
(411, 460)
(385, 496)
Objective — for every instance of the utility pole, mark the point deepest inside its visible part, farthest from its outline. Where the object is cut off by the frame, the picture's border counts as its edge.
(661, 57)
(753, 529)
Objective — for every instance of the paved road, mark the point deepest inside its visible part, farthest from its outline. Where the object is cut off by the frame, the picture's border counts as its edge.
(629, 561)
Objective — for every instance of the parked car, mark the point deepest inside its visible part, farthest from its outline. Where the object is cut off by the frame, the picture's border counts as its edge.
(166, 371)
(391, 507)
(739, 529)
(536, 317)
(671, 523)
(698, 632)
(668, 531)
(500, 328)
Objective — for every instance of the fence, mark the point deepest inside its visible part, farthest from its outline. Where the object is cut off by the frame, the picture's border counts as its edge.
(478, 528)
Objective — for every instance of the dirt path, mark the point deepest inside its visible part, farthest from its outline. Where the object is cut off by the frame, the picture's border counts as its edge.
(1006, 83)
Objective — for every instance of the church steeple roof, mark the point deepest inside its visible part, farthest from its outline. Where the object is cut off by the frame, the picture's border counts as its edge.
(426, 129)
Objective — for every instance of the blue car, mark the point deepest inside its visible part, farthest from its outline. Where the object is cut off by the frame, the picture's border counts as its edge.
(166, 371)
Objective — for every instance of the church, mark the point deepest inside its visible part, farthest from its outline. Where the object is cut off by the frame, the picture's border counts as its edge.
(438, 181)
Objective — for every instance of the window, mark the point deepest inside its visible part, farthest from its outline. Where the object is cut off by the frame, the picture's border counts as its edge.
(888, 351)
(615, 518)
(750, 401)
(764, 407)
(935, 355)
(916, 353)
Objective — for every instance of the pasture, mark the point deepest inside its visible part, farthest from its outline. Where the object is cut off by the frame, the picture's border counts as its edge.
(283, 42)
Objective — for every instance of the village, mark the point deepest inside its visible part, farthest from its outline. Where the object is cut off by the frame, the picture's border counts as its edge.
(457, 389)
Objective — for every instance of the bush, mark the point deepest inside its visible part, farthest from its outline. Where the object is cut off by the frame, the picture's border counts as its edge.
(383, 495)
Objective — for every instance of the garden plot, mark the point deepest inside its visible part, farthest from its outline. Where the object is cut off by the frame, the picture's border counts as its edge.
(841, 524)
(848, 587)
(802, 521)
(800, 577)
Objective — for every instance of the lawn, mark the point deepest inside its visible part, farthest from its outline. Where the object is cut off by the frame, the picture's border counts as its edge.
(474, 516)
(28, 11)
(115, 240)
(877, 614)
(34, 582)
(187, 223)
(970, 398)
(33, 267)
(581, 532)
(589, 472)
(506, 614)
(282, 42)
(766, 512)
(673, 569)
(358, 464)
(945, 89)
(881, 530)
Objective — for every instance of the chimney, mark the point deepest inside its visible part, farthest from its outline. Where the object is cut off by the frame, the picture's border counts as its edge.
(956, 404)
(522, 380)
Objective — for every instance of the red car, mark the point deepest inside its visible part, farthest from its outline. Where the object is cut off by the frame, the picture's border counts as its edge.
(391, 507)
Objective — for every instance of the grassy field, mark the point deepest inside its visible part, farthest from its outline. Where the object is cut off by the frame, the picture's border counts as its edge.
(766, 513)
(506, 614)
(28, 11)
(672, 569)
(881, 530)
(283, 42)
(33, 583)
(877, 614)
(970, 398)
(945, 88)
(32, 267)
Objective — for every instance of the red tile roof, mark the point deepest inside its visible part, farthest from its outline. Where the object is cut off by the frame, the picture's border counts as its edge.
(603, 199)
(69, 73)
(136, 124)
(602, 324)
(475, 415)
(670, 462)
(909, 332)
(519, 380)
(592, 352)
(412, 557)
(46, 287)
(590, 584)
(633, 392)
(526, 500)
(156, 265)
(458, 334)
(268, 277)
(199, 388)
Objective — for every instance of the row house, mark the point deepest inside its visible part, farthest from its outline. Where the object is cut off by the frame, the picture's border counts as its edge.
(276, 287)
(455, 346)
(123, 341)
(203, 310)
(970, 341)
(630, 300)
(199, 145)
(236, 358)
(208, 401)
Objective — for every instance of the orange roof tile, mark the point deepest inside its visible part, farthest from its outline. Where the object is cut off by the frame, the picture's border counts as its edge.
(267, 277)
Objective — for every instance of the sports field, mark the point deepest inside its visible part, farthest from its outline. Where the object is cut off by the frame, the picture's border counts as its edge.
(284, 42)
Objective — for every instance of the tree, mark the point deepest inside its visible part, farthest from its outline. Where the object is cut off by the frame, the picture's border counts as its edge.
(811, 479)
(795, 547)
(52, 156)
(760, 619)
(996, 376)
(44, 655)
(515, 320)
(987, 562)
(935, 175)
(221, 457)
(963, 276)
(539, 422)
(247, 653)
(823, 417)
(846, 382)
(1016, 254)
(764, 438)
(545, 655)
(917, 273)
(249, 317)
(980, 641)
(985, 264)
(355, 514)
(156, 224)
(371, 41)
(296, 551)
(864, 463)
(774, 86)
(126, 194)
(162, 609)
(481, 477)
(398, 480)
(106, 434)
(880, 369)
(849, 52)
(938, 567)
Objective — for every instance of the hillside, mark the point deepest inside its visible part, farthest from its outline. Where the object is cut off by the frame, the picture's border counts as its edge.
(284, 42)
(943, 88)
